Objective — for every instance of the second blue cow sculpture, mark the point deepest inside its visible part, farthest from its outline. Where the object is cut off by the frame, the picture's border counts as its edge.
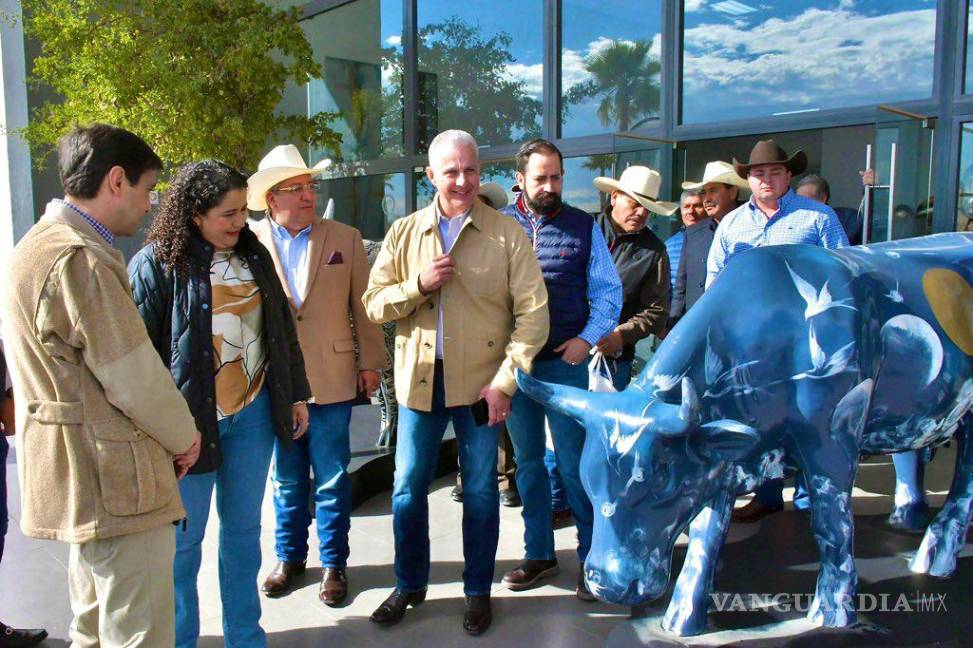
(796, 357)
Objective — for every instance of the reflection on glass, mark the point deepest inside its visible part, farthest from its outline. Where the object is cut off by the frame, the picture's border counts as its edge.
(359, 46)
(369, 203)
(909, 196)
(968, 81)
(743, 59)
(610, 65)
(964, 201)
(480, 71)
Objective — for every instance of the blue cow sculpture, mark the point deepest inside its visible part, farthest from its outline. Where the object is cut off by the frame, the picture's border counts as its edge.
(797, 356)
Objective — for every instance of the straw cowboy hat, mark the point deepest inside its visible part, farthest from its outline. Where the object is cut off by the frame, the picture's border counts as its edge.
(717, 172)
(282, 163)
(767, 152)
(642, 185)
(495, 194)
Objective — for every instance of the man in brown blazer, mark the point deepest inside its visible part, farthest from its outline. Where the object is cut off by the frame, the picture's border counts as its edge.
(323, 269)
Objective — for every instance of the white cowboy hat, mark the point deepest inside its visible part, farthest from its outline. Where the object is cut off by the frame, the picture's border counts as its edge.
(282, 163)
(717, 172)
(641, 184)
(495, 194)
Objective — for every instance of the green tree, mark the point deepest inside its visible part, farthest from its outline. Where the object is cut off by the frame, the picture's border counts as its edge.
(625, 75)
(194, 78)
(464, 83)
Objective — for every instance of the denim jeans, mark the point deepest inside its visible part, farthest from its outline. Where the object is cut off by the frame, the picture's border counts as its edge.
(770, 493)
(416, 455)
(324, 450)
(3, 491)
(526, 426)
(246, 441)
(621, 373)
(559, 498)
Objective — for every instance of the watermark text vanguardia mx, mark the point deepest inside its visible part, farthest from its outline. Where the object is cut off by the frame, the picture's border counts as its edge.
(801, 602)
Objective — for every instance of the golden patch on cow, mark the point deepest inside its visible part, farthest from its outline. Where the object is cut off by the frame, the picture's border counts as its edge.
(951, 298)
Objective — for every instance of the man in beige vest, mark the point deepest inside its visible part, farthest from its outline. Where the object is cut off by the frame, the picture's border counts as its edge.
(103, 431)
(322, 266)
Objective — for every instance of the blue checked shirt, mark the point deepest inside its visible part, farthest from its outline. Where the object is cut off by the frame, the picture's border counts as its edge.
(292, 251)
(98, 227)
(797, 220)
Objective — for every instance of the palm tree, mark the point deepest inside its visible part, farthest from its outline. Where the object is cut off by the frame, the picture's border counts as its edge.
(626, 77)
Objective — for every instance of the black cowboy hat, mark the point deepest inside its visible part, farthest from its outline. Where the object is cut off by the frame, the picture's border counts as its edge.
(768, 152)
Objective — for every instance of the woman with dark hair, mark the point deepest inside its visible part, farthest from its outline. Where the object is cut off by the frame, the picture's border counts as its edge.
(216, 313)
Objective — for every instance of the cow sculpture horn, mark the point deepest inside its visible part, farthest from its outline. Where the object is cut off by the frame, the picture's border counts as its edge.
(573, 402)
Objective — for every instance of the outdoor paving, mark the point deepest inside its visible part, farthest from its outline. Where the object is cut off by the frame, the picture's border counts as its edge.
(776, 555)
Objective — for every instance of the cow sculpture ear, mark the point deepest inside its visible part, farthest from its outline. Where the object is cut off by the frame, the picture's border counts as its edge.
(726, 440)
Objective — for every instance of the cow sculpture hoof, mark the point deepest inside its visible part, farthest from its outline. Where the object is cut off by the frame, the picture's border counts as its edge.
(910, 517)
(935, 556)
(684, 620)
(831, 613)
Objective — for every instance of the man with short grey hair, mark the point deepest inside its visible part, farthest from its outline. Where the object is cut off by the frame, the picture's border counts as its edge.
(465, 290)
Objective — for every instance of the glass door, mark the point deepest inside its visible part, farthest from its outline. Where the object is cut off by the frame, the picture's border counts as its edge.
(899, 201)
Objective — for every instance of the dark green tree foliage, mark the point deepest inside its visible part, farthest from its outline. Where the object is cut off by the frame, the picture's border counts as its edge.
(194, 78)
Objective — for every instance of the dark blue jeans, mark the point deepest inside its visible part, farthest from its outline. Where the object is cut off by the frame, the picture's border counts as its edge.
(3, 491)
(246, 441)
(526, 427)
(324, 450)
(416, 455)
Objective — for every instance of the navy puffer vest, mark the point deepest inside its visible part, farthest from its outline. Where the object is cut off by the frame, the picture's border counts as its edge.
(563, 246)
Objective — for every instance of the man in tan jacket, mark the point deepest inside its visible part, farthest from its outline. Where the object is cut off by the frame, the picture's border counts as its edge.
(103, 429)
(323, 269)
(463, 286)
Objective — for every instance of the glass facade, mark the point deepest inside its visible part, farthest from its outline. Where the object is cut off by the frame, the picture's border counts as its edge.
(673, 85)
(744, 59)
(611, 68)
(964, 199)
(480, 71)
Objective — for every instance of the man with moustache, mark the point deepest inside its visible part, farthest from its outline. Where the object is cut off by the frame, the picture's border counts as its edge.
(462, 284)
(774, 215)
(690, 212)
(586, 294)
(719, 191)
(641, 261)
(322, 267)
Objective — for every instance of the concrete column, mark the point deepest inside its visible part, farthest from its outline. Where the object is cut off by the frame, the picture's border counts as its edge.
(16, 195)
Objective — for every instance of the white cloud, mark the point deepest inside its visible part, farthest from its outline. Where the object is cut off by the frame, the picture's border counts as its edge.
(693, 5)
(793, 63)
(531, 75)
(394, 40)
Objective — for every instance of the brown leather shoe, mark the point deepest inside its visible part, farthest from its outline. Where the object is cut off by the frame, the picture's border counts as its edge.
(334, 586)
(393, 608)
(582, 591)
(281, 579)
(753, 511)
(561, 519)
(526, 574)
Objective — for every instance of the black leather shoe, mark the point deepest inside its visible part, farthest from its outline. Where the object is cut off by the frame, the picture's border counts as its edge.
(510, 498)
(393, 608)
(526, 574)
(477, 615)
(561, 519)
(456, 494)
(281, 579)
(14, 638)
(753, 511)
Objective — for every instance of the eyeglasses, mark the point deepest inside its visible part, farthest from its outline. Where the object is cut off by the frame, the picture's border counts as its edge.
(154, 198)
(298, 188)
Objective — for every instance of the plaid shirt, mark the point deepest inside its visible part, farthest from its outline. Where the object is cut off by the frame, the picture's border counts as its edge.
(98, 227)
(797, 220)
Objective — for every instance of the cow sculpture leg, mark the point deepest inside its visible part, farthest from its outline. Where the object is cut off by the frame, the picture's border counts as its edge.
(690, 601)
(945, 536)
(833, 527)
(911, 512)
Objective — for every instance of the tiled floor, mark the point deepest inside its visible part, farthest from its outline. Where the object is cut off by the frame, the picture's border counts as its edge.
(775, 555)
